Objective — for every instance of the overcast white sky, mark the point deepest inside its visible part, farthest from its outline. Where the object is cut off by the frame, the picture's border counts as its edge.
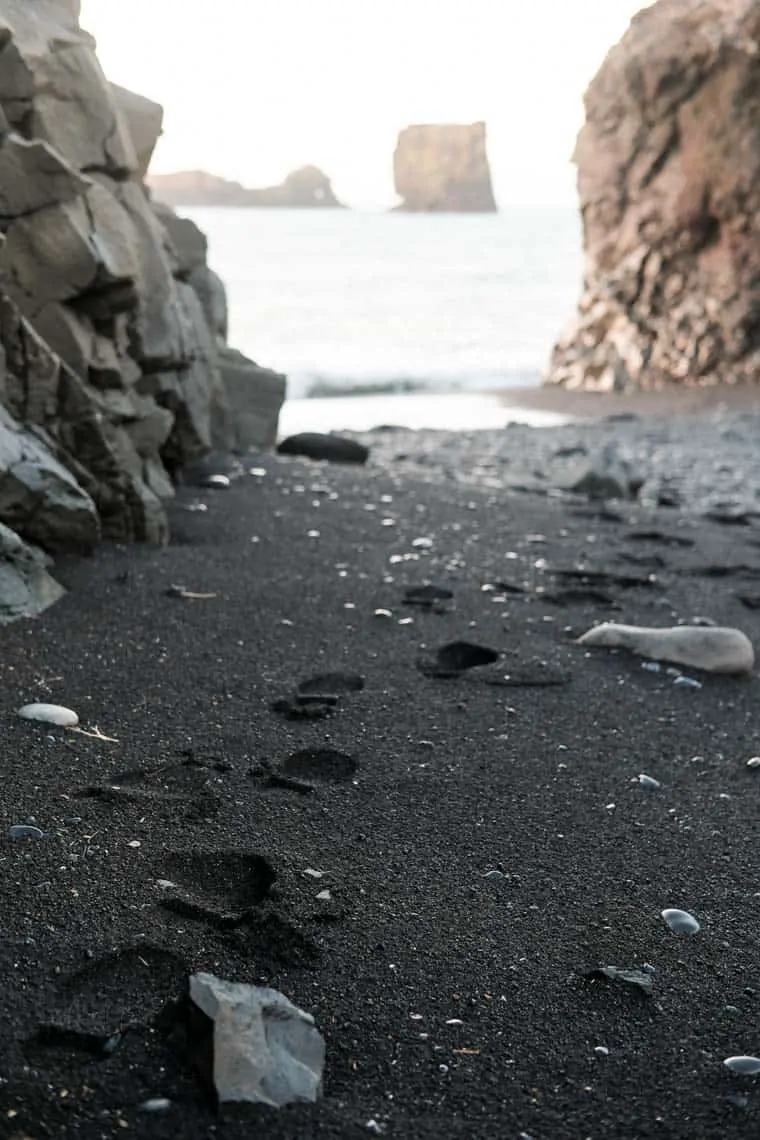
(254, 88)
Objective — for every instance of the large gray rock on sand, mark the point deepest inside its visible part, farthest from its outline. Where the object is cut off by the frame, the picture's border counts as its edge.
(26, 587)
(265, 1049)
(255, 397)
(39, 497)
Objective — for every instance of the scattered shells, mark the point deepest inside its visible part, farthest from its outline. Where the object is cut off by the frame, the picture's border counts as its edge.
(747, 1066)
(50, 714)
(680, 921)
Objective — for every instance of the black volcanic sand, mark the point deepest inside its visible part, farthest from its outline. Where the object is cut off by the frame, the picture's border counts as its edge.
(452, 1004)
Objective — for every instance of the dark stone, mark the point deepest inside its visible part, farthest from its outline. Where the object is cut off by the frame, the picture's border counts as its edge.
(332, 448)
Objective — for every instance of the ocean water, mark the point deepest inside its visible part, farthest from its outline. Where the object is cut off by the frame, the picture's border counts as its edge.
(359, 303)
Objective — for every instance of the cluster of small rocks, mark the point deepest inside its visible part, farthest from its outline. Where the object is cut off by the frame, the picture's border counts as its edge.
(697, 462)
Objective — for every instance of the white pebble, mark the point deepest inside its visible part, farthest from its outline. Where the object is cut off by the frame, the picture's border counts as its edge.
(156, 1104)
(753, 762)
(747, 1066)
(324, 896)
(219, 481)
(50, 714)
(680, 921)
(649, 782)
(601, 1051)
(383, 613)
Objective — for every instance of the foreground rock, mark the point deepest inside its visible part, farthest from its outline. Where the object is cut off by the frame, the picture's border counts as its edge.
(668, 174)
(308, 187)
(265, 1049)
(443, 168)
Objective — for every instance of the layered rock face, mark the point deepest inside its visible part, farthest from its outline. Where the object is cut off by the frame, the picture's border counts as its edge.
(443, 168)
(110, 378)
(305, 188)
(669, 180)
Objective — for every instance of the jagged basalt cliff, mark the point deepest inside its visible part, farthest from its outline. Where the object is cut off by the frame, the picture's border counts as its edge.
(440, 168)
(305, 188)
(112, 335)
(669, 181)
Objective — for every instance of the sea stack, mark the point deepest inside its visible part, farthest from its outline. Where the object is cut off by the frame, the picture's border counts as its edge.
(443, 168)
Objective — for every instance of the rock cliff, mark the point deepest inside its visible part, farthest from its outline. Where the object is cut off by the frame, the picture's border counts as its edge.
(669, 180)
(305, 188)
(443, 168)
(112, 326)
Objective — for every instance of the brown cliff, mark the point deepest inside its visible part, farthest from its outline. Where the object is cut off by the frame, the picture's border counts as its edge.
(305, 188)
(439, 168)
(669, 182)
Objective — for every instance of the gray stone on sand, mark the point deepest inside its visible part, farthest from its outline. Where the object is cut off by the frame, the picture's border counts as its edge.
(50, 714)
(608, 473)
(744, 1065)
(714, 649)
(680, 921)
(265, 1049)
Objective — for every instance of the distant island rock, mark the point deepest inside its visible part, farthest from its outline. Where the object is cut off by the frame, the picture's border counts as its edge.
(443, 167)
(305, 188)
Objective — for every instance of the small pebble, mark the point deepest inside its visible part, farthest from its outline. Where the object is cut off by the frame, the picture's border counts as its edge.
(687, 682)
(746, 1066)
(314, 874)
(455, 1021)
(50, 714)
(493, 875)
(753, 762)
(156, 1104)
(680, 921)
(601, 1051)
(422, 543)
(383, 613)
(649, 782)
(324, 896)
(218, 481)
(25, 831)
(373, 1126)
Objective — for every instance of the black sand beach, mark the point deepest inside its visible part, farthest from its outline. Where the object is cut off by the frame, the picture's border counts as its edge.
(453, 1004)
